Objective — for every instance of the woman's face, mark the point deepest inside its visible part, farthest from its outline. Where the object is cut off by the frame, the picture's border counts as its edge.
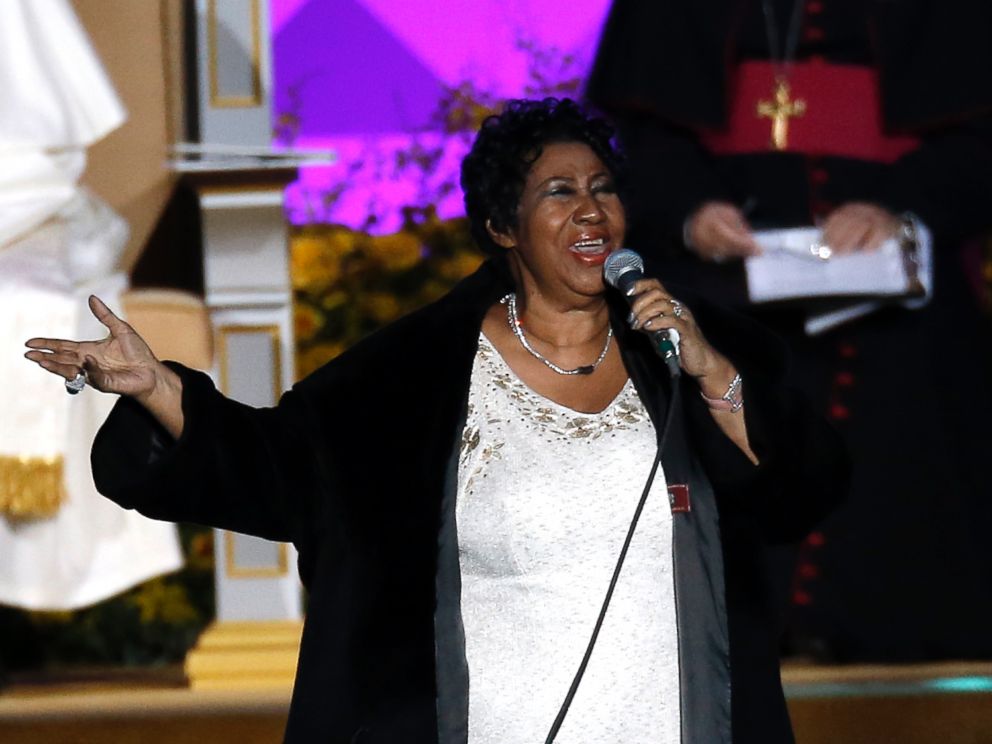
(569, 220)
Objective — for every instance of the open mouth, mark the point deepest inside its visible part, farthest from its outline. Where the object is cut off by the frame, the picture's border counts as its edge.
(589, 247)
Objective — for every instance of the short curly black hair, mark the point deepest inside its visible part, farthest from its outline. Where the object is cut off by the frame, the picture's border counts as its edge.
(508, 144)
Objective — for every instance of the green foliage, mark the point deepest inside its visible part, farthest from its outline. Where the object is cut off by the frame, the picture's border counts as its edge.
(151, 624)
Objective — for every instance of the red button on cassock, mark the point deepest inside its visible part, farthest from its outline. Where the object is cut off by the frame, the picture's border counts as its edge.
(844, 379)
(839, 412)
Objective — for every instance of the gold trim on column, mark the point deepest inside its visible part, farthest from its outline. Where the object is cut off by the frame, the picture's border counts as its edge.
(216, 99)
(274, 334)
(234, 571)
(242, 188)
(251, 655)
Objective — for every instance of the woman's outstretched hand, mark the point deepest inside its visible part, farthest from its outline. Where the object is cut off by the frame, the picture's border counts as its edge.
(120, 363)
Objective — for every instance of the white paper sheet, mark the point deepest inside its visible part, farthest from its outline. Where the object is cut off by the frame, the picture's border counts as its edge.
(790, 268)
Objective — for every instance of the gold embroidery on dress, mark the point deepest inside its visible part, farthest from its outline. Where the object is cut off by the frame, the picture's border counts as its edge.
(622, 412)
(470, 439)
(550, 419)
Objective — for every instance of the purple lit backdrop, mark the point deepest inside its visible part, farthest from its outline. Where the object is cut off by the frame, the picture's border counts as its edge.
(362, 77)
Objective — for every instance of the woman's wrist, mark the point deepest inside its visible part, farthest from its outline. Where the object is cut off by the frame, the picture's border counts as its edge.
(713, 383)
(165, 399)
(721, 389)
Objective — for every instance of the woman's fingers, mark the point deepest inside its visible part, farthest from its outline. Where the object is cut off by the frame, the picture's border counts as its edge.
(102, 313)
(646, 291)
(652, 303)
(62, 369)
(52, 344)
(654, 309)
(58, 356)
(50, 356)
(664, 316)
(106, 316)
(62, 357)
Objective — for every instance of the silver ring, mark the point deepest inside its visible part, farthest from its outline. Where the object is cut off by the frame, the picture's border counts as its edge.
(76, 384)
(820, 250)
(678, 309)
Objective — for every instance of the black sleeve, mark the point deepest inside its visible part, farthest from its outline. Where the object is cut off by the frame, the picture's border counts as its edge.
(803, 470)
(947, 181)
(234, 467)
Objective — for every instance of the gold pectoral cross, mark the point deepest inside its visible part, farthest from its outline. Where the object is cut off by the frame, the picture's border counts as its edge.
(780, 111)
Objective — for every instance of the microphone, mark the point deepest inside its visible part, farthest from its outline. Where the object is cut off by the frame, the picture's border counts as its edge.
(622, 269)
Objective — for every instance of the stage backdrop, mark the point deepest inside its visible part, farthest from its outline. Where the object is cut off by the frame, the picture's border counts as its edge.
(370, 78)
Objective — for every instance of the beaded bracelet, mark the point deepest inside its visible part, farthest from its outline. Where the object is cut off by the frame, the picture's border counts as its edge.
(732, 400)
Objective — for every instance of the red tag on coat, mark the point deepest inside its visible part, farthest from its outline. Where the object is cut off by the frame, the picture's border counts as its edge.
(678, 497)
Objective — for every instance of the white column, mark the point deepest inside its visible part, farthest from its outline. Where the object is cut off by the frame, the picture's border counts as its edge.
(255, 639)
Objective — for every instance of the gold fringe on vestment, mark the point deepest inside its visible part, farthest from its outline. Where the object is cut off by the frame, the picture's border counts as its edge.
(30, 487)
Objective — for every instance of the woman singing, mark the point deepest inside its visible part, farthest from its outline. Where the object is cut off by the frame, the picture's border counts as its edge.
(460, 484)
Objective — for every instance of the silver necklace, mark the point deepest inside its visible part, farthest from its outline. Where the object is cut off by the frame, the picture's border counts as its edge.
(511, 317)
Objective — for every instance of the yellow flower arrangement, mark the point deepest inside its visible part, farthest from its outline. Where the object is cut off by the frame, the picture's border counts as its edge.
(378, 278)
(332, 299)
(461, 264)
(397, 252)
(307, 321)
(314, 265)
(382, 306)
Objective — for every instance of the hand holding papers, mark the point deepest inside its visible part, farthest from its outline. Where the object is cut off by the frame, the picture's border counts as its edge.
(796, 266)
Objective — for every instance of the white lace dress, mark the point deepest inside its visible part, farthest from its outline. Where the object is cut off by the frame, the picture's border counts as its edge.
(545, 497)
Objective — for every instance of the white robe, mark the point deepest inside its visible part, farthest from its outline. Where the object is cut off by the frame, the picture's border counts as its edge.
(58, 244)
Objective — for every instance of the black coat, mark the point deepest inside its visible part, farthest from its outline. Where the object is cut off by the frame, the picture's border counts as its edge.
(356, 466)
